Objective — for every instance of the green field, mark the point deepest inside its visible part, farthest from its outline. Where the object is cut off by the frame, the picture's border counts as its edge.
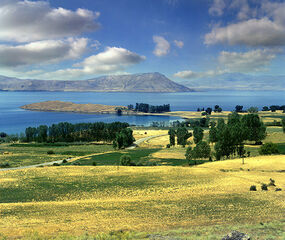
(30, 154)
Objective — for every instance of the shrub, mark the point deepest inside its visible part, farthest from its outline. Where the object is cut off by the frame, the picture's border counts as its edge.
(278, 189)
(56, 164)
(94, 164)
(4, 165)
(252, 188)
(50, 152)
(168, 146)
(272, 182)
(64, 161)
(126, 160)
(264, 187)
(268, 149)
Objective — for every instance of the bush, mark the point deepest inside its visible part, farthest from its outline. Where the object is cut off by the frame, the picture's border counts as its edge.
(50, 152)
(126, 160)
(64, 161)
(268, 149)
(272, 182)
(4, 165)
(56, 164)
(252, 188)
(168, 146)
(264, 187)
(94, 164)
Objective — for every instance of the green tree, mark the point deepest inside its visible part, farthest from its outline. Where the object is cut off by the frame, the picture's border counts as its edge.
(124, 138)
(268, 149)
(171, 133)
(182, 136)
(213, 134)
(198, 134)
(253, 110)
(125, 160)
(254, 127)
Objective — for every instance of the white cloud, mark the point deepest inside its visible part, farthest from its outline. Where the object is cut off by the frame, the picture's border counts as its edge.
(254, 32)
(112, 60)
(162, 46)
(179, 44)
(47, 51)
(261, 25)
(235, 62)
(251, 61)
(25, 21)
(217, 8)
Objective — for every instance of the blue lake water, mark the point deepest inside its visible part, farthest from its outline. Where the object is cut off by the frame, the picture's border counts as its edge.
(15, 120)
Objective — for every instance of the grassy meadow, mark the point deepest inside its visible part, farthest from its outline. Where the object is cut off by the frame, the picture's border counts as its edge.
(80, 201)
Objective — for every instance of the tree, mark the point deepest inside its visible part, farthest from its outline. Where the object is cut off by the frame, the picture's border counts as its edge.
(119, 111)
(265, 108)
(217, 108)
(253, 110)
(254, 127)
(213, 134)
(125, 160)
(124, 138)
(201, 151)
(198, 134)
(209, 110)
(182, 136)
(268, 149)
(171, 133)
(239, 108)
(283, 124)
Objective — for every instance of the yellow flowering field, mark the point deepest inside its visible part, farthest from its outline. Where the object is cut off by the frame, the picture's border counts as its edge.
(77, 199)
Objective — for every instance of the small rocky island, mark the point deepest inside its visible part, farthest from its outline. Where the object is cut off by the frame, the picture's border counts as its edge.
(59, 106)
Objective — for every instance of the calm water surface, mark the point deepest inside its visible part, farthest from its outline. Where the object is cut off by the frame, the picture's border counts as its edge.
(15, 120)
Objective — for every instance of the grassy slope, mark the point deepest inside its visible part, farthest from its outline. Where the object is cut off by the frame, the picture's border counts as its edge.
(71, 199)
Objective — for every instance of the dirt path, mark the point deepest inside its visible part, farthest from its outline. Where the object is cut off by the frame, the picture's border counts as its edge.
(135, 144)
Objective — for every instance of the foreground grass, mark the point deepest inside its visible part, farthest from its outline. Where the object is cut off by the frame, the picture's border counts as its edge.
(29, 154)
(76, 200)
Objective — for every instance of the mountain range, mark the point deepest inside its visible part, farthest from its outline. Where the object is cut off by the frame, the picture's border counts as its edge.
(145, 82)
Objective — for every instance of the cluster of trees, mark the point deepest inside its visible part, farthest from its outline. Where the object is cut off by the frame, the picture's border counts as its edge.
(182, 135)
(208, 111)
(273, 108)
(123, 139)
(146, 108)
(68, 132)
(229, 138)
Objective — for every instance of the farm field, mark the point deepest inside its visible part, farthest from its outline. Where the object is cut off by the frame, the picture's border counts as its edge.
(78, 199)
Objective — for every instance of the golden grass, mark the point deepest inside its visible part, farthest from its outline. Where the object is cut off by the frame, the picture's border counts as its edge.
(138, 134)
(100, 199)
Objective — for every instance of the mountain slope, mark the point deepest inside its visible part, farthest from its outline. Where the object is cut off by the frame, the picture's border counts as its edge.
(146, 82)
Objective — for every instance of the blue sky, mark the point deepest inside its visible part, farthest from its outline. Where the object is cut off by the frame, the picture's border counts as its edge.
(205, 44)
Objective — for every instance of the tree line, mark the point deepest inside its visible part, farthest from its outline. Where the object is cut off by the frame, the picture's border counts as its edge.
(68, 132)
(146, 108)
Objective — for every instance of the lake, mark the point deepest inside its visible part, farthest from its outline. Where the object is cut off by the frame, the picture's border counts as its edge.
(15, 120)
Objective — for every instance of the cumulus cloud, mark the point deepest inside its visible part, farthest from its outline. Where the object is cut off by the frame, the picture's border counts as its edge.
(179, 44)
(46, 51)
(162, 46)
(253, 32)
(112, 60)
(251, 61)
(25, 21)
(263, 25)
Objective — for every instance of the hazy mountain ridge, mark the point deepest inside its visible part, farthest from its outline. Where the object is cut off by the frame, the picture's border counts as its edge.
(146, 82)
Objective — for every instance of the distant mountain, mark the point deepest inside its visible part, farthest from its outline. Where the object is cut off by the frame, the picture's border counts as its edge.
(146, 82)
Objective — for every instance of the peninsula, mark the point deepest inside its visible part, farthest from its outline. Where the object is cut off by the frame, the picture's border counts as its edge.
(59, 106)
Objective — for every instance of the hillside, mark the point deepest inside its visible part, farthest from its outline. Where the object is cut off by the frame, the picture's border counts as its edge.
(146, 82)
(59, 106)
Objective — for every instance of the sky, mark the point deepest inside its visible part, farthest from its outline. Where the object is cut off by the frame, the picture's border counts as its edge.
(204, 44)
